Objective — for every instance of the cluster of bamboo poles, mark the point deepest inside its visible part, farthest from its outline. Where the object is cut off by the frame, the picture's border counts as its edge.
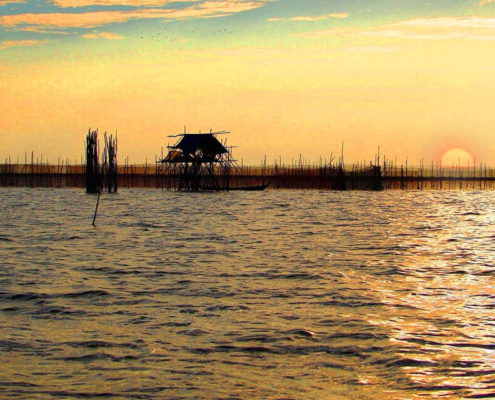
(93, 181)
(101, 176)
(297, 175)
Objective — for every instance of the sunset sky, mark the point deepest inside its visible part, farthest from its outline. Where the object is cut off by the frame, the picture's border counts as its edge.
(283, 76)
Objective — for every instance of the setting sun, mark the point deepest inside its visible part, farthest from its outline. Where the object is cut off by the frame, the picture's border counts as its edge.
(457, 156)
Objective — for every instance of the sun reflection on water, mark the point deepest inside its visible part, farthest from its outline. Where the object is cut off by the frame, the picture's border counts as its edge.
(441, 302)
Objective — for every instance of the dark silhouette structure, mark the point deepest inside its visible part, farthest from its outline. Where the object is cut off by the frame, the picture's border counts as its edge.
(200, 162)
(104, 176)
(93, 181)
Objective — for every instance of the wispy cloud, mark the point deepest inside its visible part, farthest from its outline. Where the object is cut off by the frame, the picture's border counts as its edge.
(439, 29)
(312, 19)
(74, 20)
(203, 9)
(4, 2)
(16, 43)
(133, 3)
(103, 35)
(39, 29)
(474, 28)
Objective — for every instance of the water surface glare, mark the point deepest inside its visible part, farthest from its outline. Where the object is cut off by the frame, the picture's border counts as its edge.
(272, 295)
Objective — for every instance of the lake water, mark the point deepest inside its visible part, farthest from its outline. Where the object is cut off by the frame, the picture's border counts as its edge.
(269, 295)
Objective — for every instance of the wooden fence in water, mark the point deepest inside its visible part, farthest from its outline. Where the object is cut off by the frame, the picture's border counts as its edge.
(362, 176)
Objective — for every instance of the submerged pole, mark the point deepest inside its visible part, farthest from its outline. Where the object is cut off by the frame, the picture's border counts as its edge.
(96, 208)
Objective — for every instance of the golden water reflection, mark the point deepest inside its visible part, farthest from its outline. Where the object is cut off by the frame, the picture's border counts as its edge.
(441, 303)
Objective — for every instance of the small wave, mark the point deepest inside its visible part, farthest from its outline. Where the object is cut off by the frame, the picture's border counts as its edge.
(96, 344)
(193, 332)
(351, 303)
(9, 345)
(410, 362)
(75, 237)
(217, 238)
(20, 384)
(391, 271)
(247, 349)
(301, 332)
(485, 272)
(176, 324)
(226, 308)
(257, 338)
(427, 228)
(81, 395)
(486, 395)
(359, 336)
(86, 293)
(189, 311)
(98, 356)
(126, 272)
(299, 275)
(51, 311)
(332, 365)
(22, 296)
(230, 348)
(37, 296)
(257, 349)
(353, 351)
(287, 349)
(473, 345)
(140, 320)
(10, 309)
(307, 233)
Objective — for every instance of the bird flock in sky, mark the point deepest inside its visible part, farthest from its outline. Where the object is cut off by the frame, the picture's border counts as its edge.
(159, 37)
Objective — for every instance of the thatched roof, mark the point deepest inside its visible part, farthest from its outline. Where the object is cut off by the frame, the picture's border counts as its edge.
(192, 145)
(206, 142)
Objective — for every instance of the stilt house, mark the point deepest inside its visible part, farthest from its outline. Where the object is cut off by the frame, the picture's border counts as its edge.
(199, 161)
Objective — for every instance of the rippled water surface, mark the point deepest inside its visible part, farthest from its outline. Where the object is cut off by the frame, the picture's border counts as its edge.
(272, 295)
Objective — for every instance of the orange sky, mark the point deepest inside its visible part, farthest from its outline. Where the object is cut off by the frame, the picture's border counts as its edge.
(283, 78)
